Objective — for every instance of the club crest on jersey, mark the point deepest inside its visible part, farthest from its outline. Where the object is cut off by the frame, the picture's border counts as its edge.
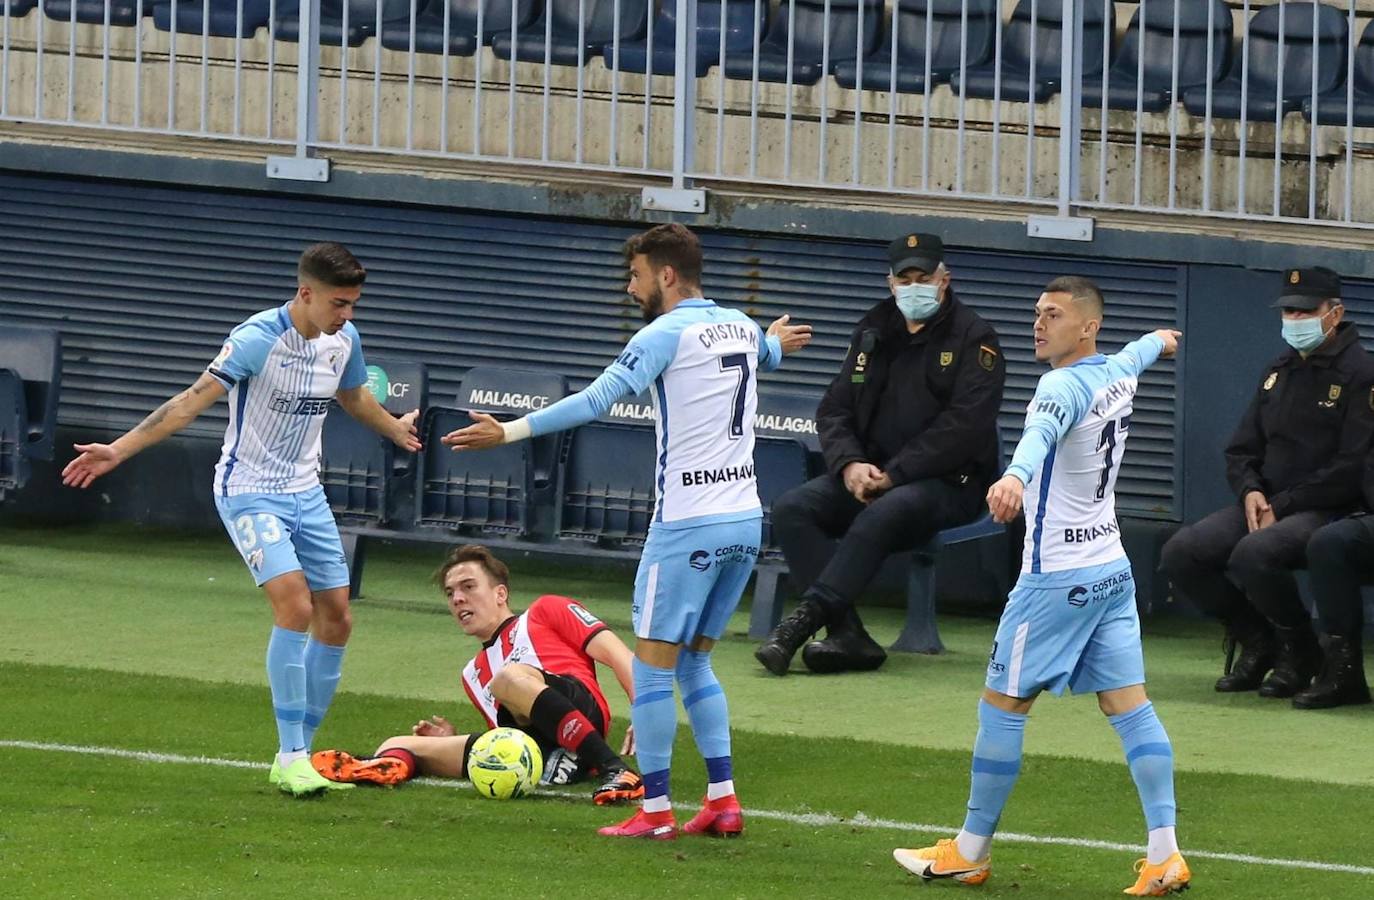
(334, 361)
(1271, 381)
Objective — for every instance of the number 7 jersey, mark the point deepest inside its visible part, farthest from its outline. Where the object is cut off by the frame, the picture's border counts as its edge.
(1069, 456)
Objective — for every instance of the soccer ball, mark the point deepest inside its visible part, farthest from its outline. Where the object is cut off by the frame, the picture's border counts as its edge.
(505, 763)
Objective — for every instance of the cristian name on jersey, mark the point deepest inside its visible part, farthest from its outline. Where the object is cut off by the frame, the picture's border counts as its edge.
(1070, 454)
(280, 386)
(552, 636)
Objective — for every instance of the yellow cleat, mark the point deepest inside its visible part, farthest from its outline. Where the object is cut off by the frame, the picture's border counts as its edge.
(942, 861)
(1156, 881)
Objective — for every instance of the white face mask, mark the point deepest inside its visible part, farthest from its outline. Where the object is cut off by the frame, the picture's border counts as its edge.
(917, 302)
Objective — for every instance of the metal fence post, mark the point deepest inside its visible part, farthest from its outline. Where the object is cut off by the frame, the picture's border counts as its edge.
(1065, 225)
(303, 166)
(681, 198)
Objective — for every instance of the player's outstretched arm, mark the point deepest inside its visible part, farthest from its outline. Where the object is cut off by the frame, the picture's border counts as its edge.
(1170, 337)
(169, 418)
(791, 337)
(586, 405)
(359, 403)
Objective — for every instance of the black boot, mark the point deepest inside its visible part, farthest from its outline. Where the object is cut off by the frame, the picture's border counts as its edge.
(1341, 680)
(1256, 642)
(1298, 660)
(846, 648)
(781, 645)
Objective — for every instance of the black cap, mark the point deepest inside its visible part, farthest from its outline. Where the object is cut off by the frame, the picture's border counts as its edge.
(1307, 288)
(915, 251)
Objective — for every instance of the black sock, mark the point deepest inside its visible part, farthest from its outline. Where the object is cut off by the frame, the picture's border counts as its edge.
(554, 716)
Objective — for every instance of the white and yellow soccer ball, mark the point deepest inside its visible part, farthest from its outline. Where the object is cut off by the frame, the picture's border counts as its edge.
(505, 763)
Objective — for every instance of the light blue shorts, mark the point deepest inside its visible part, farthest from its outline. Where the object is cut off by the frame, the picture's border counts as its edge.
(1077, 629)
(280, 533)
(690, 579)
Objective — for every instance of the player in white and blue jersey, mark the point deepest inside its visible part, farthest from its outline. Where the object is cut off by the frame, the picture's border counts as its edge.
(281, 369)
(701, 361)
(1071, 619)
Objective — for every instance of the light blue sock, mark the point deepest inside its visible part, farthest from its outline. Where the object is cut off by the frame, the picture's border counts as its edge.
(286, 676)
(709, 714)
(996, 764)
(654, 716)
(1151, 758)
(323, 663)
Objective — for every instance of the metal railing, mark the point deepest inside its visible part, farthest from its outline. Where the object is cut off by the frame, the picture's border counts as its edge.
(1243, 110)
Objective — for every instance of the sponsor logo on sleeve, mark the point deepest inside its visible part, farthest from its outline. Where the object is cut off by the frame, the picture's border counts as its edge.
(583, 616)
(224, 353)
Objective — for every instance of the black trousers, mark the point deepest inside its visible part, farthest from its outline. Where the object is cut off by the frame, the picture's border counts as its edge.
(834, 544)
(1236, 575)
(1340, 557)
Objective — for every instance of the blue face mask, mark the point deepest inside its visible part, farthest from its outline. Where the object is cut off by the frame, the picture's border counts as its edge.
(917, 302)
(1304, 335)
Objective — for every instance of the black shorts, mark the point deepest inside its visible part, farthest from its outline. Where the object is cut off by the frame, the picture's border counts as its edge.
(582, 700)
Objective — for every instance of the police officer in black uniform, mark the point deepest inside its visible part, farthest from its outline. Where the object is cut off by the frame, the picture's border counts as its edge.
(909, 433)
(1295, 465)
(1340, 557)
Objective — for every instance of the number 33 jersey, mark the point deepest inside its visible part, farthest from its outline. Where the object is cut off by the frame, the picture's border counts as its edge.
(1069, 456)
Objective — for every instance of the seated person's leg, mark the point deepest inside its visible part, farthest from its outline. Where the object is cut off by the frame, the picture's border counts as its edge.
(806, 521)
(1340, 558)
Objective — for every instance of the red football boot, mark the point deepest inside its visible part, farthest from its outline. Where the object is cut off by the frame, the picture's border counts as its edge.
(659, 826)
(718, 818)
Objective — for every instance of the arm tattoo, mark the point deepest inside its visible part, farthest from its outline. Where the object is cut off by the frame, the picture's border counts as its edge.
(156, 417)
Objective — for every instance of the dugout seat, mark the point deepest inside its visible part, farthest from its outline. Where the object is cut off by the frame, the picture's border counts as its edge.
(1037, 43)
(35, 355)
(600, 26)
(463, 39)
(1331, 106)
(1281, 64)
(1150, 36)
(606, 491)
(743, 20)
(361, 17)
(122, 12)
(14, 463)
(949, 42)
(802, 32)
(223, 19)
(17, 9)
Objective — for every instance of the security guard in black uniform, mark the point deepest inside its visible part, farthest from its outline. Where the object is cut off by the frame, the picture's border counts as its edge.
(1295, 465)
(1340, 557)
(909, 433)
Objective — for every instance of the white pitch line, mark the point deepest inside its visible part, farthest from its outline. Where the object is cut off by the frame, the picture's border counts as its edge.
(812, 819)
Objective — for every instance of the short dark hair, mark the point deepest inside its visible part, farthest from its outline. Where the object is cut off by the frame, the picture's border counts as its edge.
(668, 245)
(1082, 290)
(330, 263)
(495, 569)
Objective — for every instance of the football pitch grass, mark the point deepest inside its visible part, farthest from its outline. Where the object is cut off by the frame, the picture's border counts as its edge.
(151, 643)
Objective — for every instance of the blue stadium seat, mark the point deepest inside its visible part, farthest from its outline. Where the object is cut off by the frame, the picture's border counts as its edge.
(811, 32)
(948, 40)
(607, 495)
(223, 19)
(462, 25)
(14, 462)
(788, 414)
(1024, 40)
(122, 12)
(35, 355)
(560, 18)
(1151, 36)
(743, 20)
(1331, 106)
(1275, 50)
(18, 8)
(362, 19)
(780, 464)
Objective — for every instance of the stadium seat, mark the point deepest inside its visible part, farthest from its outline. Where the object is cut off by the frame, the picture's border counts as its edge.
(1280, 53)
(14, 463)
(559, 19)
(743, 20)
(35, 355)
(122, 12)
(223, 17)
(607, 496)
(18, 8)
(802, 31)
(462, 25)
(780, 464)
(1041, 39)
(362, 19)
(1331, 106)
(948, 41)
(1151, 36)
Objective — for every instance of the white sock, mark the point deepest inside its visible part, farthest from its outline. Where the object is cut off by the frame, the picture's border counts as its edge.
(657, 804)
(1162, 845)
(286, 759)
(973, 847)
(720, 789)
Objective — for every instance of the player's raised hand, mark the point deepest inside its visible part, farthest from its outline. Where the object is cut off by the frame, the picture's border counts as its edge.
(792, 337)
(1170, 337)
(1004, 499)
(95, 460)
(406, 436)
(485, 432)
(434, 726)
(627, 747)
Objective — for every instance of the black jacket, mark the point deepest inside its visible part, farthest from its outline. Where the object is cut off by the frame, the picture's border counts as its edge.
(917, 406)
(1303, 439)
